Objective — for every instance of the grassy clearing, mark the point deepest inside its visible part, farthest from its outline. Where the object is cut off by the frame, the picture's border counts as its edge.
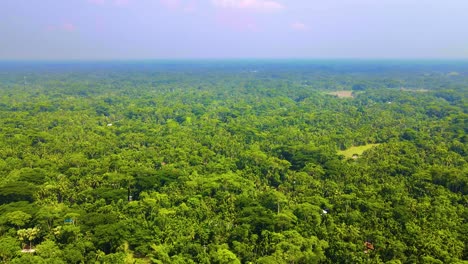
(342, 94)
(348, 153)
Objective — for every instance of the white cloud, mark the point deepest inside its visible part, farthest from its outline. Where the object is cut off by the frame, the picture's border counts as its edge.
(261, 5)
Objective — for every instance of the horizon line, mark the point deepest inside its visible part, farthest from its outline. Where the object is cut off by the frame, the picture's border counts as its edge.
(231, 59)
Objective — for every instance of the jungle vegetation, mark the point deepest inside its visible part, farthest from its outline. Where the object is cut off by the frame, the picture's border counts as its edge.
(233, 162)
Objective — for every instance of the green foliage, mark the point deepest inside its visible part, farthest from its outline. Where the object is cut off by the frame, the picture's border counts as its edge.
(224, 256)
(17, 191)
(50, 252)
(17, 218)
(9, 248)
(207, 163)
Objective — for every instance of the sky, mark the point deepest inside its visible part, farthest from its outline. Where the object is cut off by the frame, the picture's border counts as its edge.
(231, 29)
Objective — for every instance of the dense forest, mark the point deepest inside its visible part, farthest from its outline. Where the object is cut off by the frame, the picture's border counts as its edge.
(234, 162)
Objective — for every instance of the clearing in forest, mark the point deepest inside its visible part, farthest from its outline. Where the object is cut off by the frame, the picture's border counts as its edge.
(342, 94)
(356, 150)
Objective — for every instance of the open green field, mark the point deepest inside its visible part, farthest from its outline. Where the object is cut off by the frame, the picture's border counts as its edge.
(342, 94)
(348, 153)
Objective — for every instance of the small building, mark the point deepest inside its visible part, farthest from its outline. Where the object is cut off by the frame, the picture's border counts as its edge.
(368, 245)
(28, 249)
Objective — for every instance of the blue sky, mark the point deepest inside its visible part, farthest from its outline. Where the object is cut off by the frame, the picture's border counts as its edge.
(166, 29)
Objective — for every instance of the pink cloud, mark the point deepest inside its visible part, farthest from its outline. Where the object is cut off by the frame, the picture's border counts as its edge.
(68, 27)
(299, 26)
(260, 5)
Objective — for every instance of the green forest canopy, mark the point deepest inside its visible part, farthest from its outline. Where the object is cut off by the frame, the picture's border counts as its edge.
(233, 162)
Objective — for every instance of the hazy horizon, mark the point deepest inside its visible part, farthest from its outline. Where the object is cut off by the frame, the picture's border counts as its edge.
(240, 59)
